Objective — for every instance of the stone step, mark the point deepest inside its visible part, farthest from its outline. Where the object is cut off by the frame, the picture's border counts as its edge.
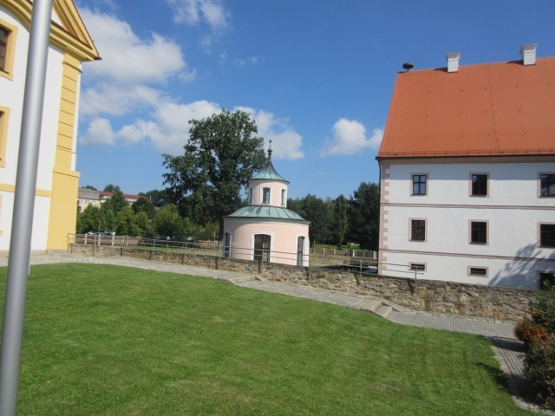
(384, 311)
(242, 279)
(372, 305)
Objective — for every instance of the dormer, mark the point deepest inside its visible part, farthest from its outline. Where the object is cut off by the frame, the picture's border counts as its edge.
(268, 187)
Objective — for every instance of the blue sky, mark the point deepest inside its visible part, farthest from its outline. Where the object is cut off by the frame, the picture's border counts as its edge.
(316, 75)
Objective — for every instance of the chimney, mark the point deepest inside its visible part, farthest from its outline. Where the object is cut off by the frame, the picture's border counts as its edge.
(453, 61)
(528, 53)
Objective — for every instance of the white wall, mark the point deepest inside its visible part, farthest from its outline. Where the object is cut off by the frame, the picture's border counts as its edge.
(512, 209)
(11, 96)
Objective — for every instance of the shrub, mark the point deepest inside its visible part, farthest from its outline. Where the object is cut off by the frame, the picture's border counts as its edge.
(540, 371)
(529, 331)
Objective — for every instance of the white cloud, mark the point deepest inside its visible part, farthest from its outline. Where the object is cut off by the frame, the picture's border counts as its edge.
(349, 137)
(286, 142)
(127, 59)
(194, 12)
(120, 82)
(168, 131)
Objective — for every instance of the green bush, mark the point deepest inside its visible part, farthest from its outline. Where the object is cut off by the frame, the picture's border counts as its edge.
(540, 371)
(538, 333)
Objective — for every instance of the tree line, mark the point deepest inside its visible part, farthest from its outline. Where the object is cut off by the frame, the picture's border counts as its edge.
(340, 221)
(151, 216)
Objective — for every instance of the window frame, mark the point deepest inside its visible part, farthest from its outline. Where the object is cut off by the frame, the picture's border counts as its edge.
(471, 185)
(7, 70)
(411, 227)
(427, 181)
(540, 185)
(478, 243)
(540, 235)
(413, 264)
(264, 195)
(283, 197)
(4, 120)
(469, 271)
(249, 196)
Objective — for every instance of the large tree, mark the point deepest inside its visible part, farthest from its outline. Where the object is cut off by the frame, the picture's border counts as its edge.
(222, 153)
(364, 207)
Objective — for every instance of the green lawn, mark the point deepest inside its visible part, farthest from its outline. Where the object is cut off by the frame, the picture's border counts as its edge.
(105, 340)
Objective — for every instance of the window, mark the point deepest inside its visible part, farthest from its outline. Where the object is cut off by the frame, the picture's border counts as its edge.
(227, 244)
(262, 244)
(547, 235)
(300, 251)
(8, 34)
(417, 266)
(418, 230)
(547, 184)
(4, 35)
(478, 271)
(479, 185)
(419, 184)
(479, 232)
(283, 200)
(249, 198)
(266, 196)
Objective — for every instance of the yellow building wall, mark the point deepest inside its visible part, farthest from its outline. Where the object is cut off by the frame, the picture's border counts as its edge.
(65, 181)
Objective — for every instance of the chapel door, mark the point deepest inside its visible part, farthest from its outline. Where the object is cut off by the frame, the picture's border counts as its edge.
(262, 244)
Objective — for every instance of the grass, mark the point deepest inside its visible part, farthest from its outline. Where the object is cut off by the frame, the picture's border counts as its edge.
(107, 340)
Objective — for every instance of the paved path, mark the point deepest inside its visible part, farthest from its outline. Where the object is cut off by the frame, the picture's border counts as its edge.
(507, 349)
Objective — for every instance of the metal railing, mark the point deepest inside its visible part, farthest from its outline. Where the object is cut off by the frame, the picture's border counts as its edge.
(362, 265)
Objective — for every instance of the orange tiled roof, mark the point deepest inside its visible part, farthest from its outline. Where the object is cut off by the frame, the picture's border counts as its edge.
(491, 109)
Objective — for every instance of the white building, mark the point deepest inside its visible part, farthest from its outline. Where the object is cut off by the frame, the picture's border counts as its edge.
(468, 173)
(57, 180)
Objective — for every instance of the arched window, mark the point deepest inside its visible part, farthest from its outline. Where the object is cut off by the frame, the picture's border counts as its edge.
(300, 251)
(227, 245)
(266, 195)
(283, 200)
(249, 200)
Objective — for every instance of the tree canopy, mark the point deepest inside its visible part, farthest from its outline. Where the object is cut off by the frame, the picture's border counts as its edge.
(222, 153)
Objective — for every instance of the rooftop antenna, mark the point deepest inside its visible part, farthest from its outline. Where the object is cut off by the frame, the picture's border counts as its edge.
(408, 66)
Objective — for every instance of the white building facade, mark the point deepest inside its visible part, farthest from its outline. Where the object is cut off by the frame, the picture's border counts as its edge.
(477, 220)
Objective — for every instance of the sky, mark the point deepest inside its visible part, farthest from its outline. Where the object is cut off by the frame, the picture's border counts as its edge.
(317, 76)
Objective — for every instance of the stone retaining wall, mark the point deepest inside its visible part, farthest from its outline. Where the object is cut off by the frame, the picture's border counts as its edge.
(426, 295)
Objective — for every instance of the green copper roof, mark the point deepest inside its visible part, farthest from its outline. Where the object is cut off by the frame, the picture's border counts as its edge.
(266, 211)
(268, 172)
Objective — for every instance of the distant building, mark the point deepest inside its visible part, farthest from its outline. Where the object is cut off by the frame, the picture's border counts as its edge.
(86, 197)
(467, 167)
(266, 230)
(57, 180)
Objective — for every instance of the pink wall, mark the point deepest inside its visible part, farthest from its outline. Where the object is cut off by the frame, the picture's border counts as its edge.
(283, 243)
(275, 196)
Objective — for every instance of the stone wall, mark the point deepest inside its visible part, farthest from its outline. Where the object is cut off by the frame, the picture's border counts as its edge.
(426, 295)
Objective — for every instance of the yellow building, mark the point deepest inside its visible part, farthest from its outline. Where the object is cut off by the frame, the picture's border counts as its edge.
(57, 179)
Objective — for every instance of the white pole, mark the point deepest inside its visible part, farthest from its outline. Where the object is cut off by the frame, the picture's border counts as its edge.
(24, 203)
